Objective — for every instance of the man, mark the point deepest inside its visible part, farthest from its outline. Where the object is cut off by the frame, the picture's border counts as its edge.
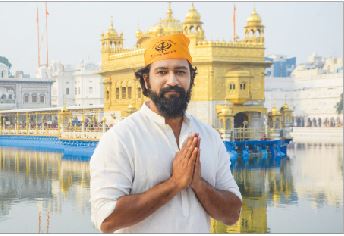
(161, 170)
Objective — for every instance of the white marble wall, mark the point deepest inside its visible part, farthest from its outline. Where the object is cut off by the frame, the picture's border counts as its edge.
(313, 96)
(20, 88)
(205, 111)
(84, 80)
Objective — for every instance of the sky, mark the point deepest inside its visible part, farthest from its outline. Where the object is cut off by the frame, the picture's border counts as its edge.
(74, 28)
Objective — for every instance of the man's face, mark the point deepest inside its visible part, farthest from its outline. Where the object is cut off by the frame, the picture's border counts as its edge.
(169, 86)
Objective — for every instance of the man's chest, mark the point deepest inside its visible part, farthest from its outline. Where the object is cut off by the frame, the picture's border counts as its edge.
(155, 152)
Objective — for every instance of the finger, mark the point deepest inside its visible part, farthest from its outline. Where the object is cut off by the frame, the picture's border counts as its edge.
(194, 142)
(193, 158)
(198, 162)
(186, 141)
(188, 153)
(186, 144)
(191, 148)
(185, 151)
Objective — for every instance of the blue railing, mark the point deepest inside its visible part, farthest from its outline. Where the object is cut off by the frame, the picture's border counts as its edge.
(82, 150)
(71, 149)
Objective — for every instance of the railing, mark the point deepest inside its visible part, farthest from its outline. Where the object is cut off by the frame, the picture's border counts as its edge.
(248, 133)
(89, 132)
(253, 133)
(75, 123)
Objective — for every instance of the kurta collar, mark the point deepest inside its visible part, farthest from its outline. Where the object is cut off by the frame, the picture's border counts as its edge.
(158, 118)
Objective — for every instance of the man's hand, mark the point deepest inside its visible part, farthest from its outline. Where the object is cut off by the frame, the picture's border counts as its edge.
(184, 163)
(196, 179)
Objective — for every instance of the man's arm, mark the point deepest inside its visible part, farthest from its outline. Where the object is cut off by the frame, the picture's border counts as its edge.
(131, 209)
(220, 204)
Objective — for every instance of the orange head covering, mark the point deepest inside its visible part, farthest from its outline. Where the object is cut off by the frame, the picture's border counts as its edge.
(175, 46)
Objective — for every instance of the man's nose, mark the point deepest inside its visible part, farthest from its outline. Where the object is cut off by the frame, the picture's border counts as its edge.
(172, 79)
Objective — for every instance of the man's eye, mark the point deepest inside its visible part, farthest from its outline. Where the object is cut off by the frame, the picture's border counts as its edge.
(180, 72)
(162, 72)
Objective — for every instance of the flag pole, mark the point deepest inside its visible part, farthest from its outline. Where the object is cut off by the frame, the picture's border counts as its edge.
(46, 30)
(234, 23)
(38, 48)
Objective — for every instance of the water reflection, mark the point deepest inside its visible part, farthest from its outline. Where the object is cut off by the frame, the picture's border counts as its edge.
(311, 177)
(319, 174)
(302, 193)
(45, 184)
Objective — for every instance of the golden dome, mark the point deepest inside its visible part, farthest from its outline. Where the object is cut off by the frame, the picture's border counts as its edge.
(192, 16)
(156, 27)
(169, 24)
(274, 111)
(138, 33)
(285, 107)
(226, 111)
(254, 19)
(111, 31)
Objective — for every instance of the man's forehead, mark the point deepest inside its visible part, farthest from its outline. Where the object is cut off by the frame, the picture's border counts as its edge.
(170, 63)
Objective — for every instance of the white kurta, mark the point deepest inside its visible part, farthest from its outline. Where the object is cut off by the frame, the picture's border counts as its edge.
(137, 154)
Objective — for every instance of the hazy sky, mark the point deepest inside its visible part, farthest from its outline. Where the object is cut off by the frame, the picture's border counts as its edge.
(291, 28)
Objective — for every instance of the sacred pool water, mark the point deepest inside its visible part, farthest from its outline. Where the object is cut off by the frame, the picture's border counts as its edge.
(45, 192)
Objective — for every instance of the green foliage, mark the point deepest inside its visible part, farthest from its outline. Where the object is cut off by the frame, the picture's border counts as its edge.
(5, 61)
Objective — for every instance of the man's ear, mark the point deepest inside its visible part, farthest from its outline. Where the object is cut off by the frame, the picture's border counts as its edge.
(145, 77)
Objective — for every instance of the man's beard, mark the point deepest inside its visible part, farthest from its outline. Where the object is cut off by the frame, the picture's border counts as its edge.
(171, 106)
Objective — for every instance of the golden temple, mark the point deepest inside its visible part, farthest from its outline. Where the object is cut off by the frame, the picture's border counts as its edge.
(229, 87)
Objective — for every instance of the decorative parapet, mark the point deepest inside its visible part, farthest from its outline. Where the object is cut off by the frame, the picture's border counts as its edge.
(238, 44)
(130, 53)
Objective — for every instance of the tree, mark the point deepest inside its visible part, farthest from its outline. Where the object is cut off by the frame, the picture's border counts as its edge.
(339, 105)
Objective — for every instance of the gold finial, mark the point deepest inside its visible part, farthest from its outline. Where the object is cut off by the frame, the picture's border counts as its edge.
(193, 6)
(169, 10)
(111, 22)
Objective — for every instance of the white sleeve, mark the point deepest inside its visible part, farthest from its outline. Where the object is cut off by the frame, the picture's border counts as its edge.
(111, 171)
(224, 177)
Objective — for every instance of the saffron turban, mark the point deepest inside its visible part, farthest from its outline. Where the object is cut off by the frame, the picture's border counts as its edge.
(175, 46)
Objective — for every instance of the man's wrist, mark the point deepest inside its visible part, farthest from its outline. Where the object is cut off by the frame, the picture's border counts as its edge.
(197, 186)
(173, 185)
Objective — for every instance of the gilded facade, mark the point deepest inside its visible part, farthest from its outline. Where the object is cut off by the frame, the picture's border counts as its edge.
(230, 76)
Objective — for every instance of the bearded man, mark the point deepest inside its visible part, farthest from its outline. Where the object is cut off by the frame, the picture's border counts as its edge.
(161, 170)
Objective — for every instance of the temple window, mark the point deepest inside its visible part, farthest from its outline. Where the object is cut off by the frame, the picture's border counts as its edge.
(34, 97)
(124, 92)
(26, 98)
(117, 93)
(129, 92)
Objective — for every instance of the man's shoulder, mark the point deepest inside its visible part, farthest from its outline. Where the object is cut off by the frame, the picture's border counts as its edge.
(205, 127)
(128, 124)
(123, 131)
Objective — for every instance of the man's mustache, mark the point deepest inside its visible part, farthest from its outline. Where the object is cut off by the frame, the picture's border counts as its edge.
(176, 89)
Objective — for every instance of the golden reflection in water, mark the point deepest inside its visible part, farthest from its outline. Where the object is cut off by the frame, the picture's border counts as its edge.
(257, 186)
(313, 173)
(43, 176)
